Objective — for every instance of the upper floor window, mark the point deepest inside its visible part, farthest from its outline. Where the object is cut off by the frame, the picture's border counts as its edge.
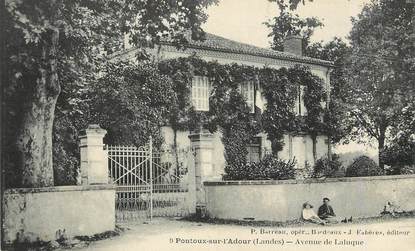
(299, 106)
(200, 93)
(248, 92)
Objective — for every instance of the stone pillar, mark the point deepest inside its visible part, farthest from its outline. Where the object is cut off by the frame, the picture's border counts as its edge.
(202, 145)
(94, 159)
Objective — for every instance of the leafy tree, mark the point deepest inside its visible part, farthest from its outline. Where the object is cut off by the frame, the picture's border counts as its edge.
(48, 42)
(336, 117)
(132, 102)
(336, 50)
(66, 154)
(129, 100)
(287, 23)
(292, 4)
(382, 40)
(381, 68)
(399, 154)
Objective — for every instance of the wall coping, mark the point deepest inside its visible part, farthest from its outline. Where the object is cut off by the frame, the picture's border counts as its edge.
(306, 181)
(59, 189)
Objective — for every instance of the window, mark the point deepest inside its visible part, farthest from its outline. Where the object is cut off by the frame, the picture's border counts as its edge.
(300, 108)
(254, 151)
(200, 93)
(248, 92)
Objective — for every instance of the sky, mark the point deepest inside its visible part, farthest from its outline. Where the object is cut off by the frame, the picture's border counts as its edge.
(242, 20)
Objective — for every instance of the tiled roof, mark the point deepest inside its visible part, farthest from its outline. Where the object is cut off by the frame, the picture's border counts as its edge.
(214, 42)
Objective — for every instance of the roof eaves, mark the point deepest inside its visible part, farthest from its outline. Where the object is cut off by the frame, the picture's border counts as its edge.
(260, 54)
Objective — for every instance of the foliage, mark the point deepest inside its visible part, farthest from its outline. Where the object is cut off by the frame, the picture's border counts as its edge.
(91, 24)
(238, 128)
(280, 94)
(337, 126)
(71, 116)
(183, 116)
(229, 112)
(288, 23)
(131, 102)
(399, 154)
(336, 117)
(51, 44)
(280, 87)
(363, 166)
(66, 153)
(374, 77)
(269, 168)
(314, 95)
(292, 4)
(381, 68)
(323, 167)
(399, 159)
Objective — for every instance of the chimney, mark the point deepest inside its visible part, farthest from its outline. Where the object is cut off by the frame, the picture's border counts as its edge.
(294, 44)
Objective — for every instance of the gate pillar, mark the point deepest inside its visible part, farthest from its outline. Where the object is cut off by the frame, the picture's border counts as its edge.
(94, 159)
(202, 145)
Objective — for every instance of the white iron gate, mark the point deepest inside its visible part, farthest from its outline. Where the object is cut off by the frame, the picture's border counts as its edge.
(149, 182)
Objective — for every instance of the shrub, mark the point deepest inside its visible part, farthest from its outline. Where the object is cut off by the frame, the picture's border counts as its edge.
(269, 168)
(399, 156)
(363, 166)
(325, 168)
(399, 169)
(305, 172)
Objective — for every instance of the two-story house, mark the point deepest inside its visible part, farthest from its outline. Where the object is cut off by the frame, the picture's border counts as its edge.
(226, 51)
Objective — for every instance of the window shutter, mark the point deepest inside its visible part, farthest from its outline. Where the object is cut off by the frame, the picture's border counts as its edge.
(297, 110)
(302, 105)
(247, 90)
(200, 93)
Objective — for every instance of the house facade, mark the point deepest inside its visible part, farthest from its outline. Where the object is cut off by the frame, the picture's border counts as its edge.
(225, 51)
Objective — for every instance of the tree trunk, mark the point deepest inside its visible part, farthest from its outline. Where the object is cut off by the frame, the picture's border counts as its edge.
(34, 137)
(381, 146)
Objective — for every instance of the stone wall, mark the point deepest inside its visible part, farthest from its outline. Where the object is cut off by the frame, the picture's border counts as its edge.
(32, 214)
(282, 200)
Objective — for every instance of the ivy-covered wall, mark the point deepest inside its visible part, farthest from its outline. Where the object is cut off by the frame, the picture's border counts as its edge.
(229, 112)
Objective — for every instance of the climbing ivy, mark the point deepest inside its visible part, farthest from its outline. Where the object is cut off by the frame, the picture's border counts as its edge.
(279, 116)
(229, 112)
(280, 89)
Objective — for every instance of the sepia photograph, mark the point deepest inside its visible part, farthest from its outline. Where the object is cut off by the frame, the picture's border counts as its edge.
(158, 125)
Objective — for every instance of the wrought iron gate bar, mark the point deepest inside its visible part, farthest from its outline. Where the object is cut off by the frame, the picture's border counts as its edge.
(148, 183)
(129, 170)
